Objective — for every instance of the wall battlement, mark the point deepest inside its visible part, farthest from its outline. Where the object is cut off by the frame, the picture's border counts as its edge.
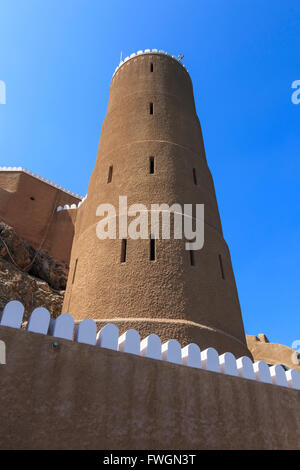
(151, 346)
(81, 396)
(72, 206)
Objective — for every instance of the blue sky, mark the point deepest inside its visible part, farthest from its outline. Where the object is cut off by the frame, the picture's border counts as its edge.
(57, 58)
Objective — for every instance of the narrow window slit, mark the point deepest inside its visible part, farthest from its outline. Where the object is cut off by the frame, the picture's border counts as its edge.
(195, 176)
(221, 267)
(151, 67)
(74, 272)
(192, 258)
(151, 108)
(123, 250)
(110, 173)
(152, 248)
(151, 165)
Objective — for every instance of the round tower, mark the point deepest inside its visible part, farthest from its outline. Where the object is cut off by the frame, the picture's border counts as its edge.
(151, 151)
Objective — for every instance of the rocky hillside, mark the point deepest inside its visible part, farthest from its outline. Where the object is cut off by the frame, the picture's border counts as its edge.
(29, 275)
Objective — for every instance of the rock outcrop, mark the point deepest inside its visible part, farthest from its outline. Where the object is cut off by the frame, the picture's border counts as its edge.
(35, 262)
(29, 275)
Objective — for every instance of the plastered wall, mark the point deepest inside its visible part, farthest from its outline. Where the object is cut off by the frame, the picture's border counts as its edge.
(28, 204)
(151, 114)
(76, 396)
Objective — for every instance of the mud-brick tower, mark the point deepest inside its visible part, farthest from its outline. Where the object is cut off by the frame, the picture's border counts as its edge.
(151, 150)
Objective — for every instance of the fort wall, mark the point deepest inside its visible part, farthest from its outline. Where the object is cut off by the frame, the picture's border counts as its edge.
(72, 395)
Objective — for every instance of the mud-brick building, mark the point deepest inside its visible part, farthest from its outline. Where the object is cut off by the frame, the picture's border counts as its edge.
(29, 203)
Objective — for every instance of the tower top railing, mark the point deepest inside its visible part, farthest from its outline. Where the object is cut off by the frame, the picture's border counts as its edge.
(146, 52)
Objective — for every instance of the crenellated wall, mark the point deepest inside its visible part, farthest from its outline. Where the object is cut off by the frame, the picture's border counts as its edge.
(29, 203)
(89, 396)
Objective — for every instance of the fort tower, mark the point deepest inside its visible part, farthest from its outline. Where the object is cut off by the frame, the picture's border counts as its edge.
(151, 150)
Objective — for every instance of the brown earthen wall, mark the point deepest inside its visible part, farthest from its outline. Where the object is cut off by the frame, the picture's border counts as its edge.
(167, 296)
(36, 220)
(273, 353)
(77, 396)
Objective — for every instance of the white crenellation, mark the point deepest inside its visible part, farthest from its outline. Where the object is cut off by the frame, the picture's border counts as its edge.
(262, 372)
(72, 206)
(245, 368)
(191, 356)
(28, 172)
(228, 364)
(148, 51)
(62, 326)
(130, 342)
(278, 375)
(108, 337)
(293, 378)
(210, 360)
(39, 321)
(86, 332)
(171, 351)
(151, 347)
(12, 314)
